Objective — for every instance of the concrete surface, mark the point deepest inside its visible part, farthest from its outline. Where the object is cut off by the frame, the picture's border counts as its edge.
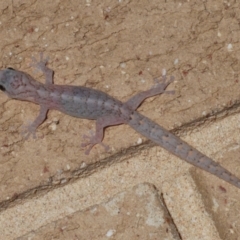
(49, 189)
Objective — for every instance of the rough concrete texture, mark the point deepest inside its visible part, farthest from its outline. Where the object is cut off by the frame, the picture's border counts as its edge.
(49, 187)
(138, 213)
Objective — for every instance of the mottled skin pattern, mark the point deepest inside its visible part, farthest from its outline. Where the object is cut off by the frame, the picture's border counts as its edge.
(88, 103)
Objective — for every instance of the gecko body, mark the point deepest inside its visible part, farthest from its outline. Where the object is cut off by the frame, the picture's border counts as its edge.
(83, 102)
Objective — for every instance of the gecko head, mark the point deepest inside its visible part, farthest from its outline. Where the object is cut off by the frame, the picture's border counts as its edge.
(13, 82)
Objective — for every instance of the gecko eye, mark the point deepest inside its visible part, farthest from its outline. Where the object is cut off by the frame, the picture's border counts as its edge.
(10, 68)
(2, 88)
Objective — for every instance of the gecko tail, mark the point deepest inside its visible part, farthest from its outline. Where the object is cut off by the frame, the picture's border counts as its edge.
(179, 148)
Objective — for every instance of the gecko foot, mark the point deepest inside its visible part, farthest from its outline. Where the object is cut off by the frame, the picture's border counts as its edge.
(27, 130)
(91, 141)
(40, 65)
(162, 83)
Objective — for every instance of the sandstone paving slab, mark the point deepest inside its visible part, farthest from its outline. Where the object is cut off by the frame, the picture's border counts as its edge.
(138, 213)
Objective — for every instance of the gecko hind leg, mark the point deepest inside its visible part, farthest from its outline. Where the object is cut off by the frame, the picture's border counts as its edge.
(97, 138)
(91, 141)
(158, 88)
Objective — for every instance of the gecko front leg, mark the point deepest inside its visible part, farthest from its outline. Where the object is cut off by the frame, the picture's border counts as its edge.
(42, 66)
(31, 129)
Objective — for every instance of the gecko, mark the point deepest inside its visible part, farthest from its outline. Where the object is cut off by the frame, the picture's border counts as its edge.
(88, 103)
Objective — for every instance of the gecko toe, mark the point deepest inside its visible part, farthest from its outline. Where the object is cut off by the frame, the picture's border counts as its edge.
(91, 141)
(27, 131)
(39, 65)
